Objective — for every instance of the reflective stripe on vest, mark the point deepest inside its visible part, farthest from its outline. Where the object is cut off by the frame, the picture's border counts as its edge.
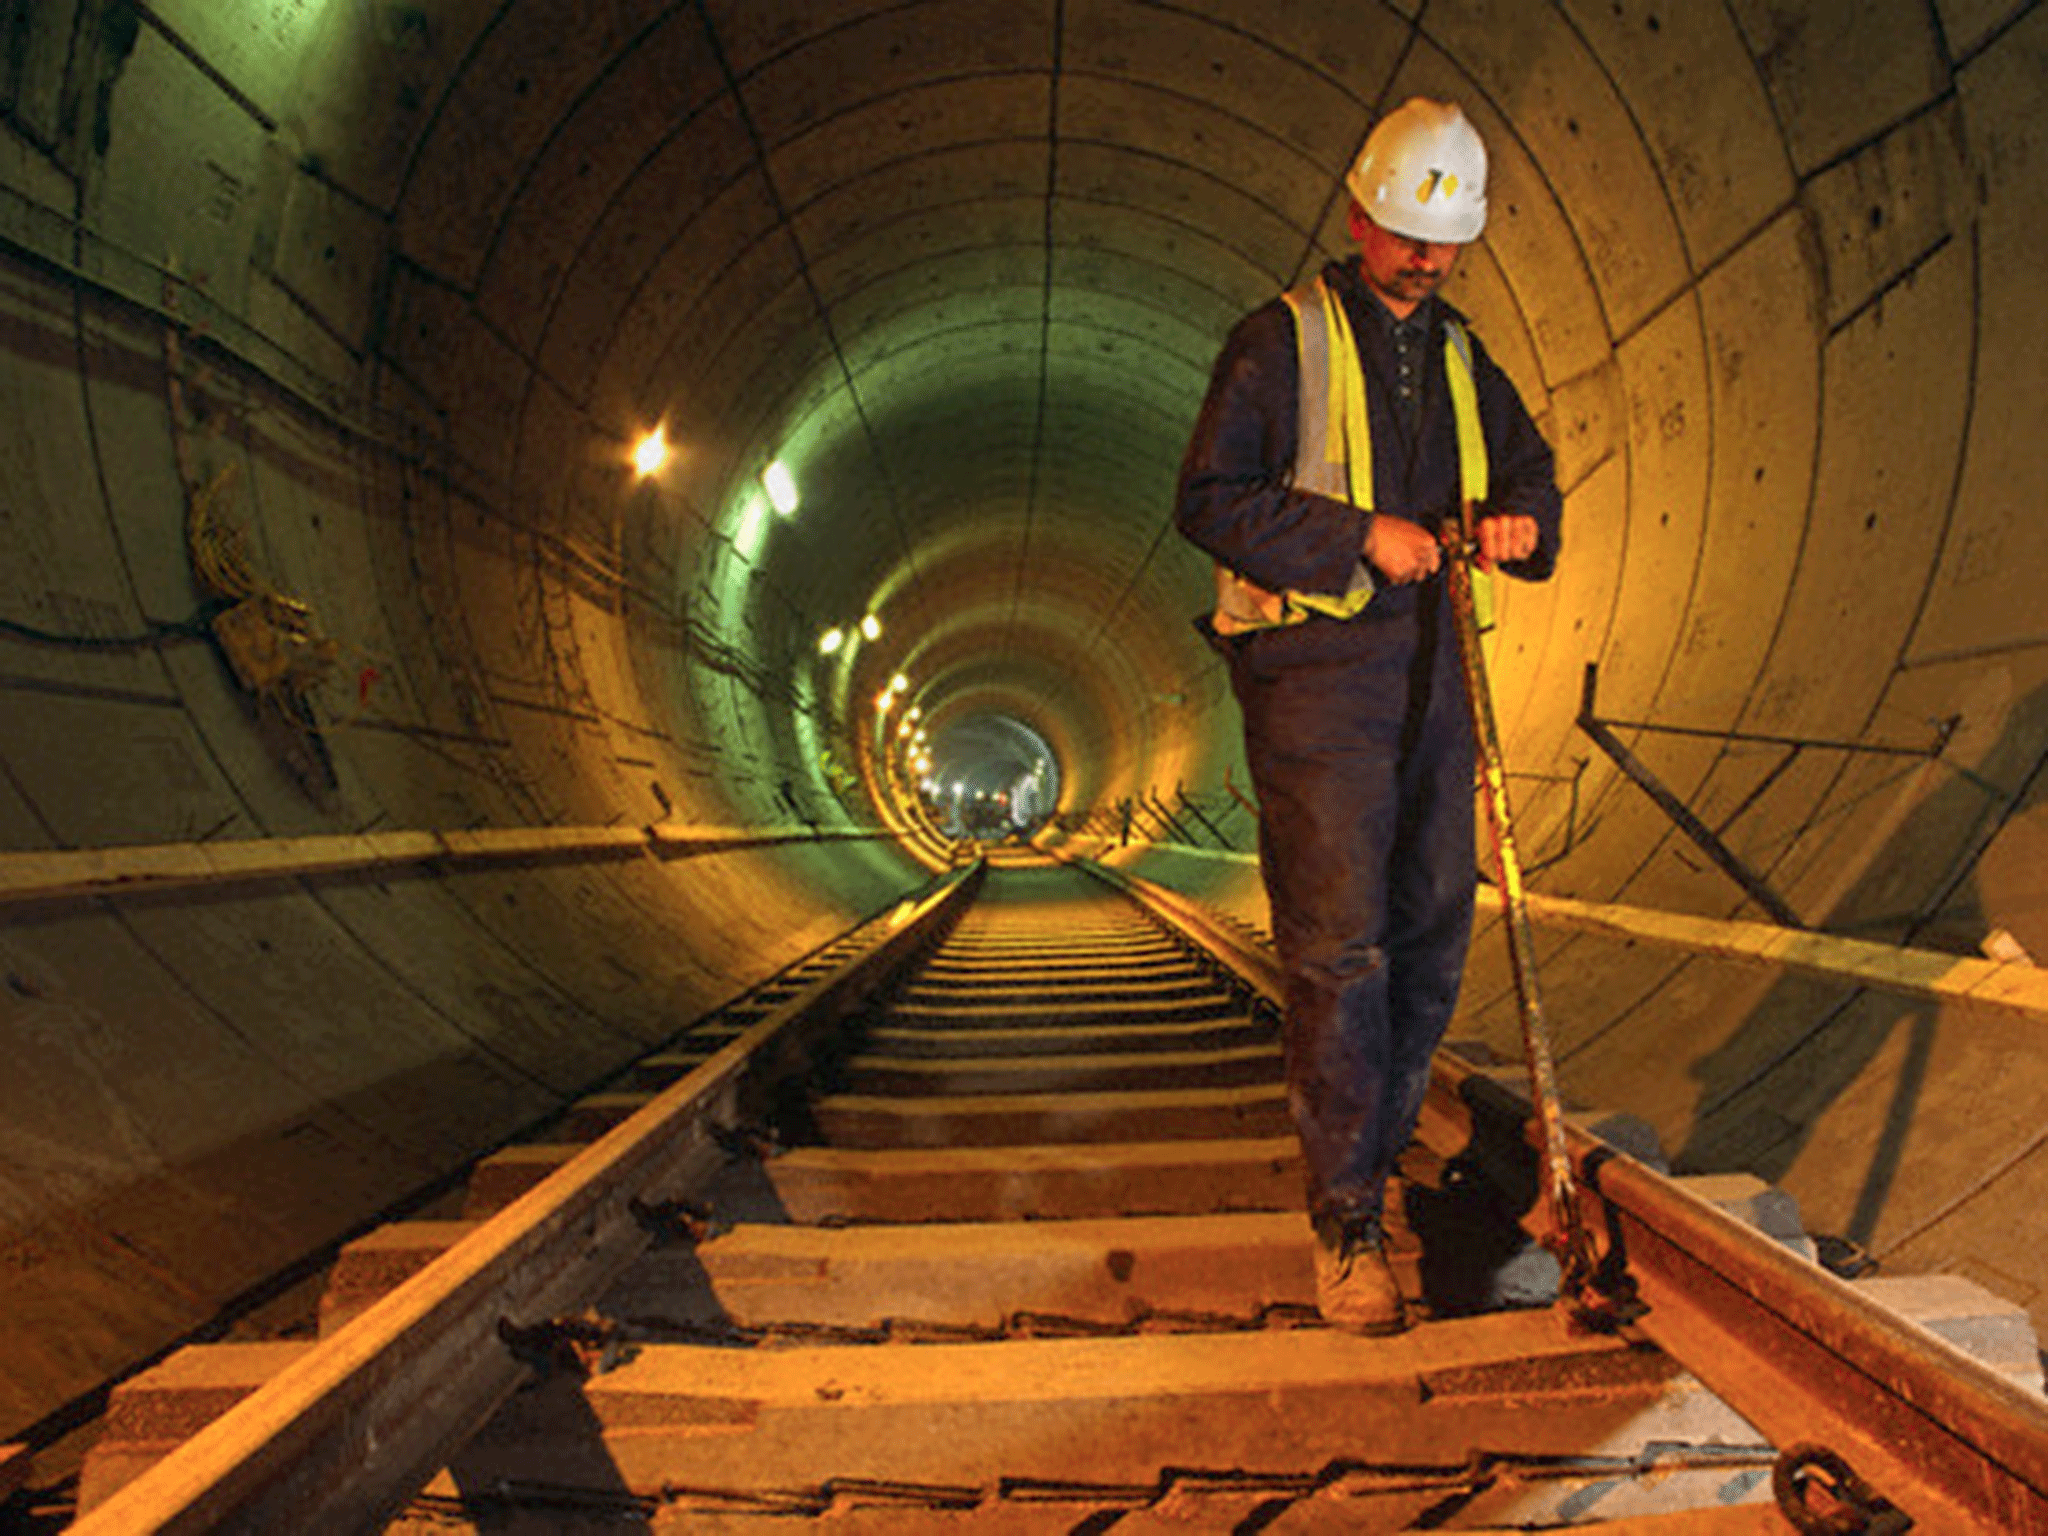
(1333, 456)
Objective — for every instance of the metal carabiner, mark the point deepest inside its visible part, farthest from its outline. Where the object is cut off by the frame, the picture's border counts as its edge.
(1849, 1506)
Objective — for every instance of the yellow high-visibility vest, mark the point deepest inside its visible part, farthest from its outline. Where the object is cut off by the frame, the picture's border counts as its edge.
(1333, 457)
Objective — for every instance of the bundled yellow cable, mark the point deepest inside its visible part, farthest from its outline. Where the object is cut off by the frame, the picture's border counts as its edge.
(268, 638)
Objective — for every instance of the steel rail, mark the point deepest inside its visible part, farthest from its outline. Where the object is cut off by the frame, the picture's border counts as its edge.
(339, 1439)
(1801, 1354)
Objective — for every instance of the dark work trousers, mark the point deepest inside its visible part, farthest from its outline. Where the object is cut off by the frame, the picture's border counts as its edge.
(1360, 746)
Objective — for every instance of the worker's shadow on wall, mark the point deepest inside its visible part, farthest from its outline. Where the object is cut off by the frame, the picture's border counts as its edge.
(1809, 1042)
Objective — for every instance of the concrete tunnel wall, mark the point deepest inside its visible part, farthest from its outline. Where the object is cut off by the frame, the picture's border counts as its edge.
(387, 292)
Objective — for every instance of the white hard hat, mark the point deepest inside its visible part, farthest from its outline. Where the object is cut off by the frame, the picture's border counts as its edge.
(1423, 173)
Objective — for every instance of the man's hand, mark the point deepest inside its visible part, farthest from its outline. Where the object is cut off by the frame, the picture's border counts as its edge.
(1402, 551)
(1505, 538)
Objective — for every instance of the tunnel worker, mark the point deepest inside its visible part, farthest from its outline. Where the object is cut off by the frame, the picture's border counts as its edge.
(1344, 424)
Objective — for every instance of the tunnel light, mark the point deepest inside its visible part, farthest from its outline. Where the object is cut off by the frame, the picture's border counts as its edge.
(884, 699)
(871, 627)
(898, 683)
(830, 641)
(781, 487)
(916, 713)
(651, 453)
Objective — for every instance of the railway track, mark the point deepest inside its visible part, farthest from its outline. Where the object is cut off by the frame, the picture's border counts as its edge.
(990, 1216)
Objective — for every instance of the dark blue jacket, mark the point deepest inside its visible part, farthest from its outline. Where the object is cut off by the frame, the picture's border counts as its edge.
(1237, 500)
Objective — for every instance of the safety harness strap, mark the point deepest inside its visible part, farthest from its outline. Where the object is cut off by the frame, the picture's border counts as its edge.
(1333, 455)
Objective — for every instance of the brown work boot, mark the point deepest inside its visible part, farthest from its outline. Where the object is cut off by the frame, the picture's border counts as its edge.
(1355, 1289)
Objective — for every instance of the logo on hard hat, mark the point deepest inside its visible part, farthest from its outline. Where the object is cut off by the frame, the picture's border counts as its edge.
(1432, 182)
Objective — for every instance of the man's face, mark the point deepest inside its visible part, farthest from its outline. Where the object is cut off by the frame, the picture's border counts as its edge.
(1402, 271)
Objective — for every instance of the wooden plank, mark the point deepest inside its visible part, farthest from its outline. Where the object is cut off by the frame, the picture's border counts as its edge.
(86, 874)
(2013, 986)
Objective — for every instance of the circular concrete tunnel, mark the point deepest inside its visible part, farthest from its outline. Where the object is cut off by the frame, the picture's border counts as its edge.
(352, 318)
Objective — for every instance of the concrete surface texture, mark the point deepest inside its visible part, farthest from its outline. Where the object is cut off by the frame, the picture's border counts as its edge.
(348, 318)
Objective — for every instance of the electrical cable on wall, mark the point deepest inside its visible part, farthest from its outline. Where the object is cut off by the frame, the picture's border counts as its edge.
(268, 639)
(159, 634)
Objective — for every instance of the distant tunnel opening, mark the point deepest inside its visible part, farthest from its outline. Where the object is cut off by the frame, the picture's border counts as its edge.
(990, 776)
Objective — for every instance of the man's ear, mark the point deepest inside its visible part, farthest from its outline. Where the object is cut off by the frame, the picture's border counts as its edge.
(1357, 222)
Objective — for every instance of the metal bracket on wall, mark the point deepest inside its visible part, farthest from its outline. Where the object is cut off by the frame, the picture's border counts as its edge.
(1194, 809)
(1120, 819)
(1573, 834)
(1156, 808)
(1602, 734)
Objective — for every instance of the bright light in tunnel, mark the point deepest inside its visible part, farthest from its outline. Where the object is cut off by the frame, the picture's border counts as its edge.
(781, 487)
(651, 453)
(871, 627)
(898, 683)
(753, 530)
(831, 640)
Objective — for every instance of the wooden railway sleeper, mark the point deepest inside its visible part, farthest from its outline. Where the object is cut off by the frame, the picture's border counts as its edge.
(1448, 1487)
(651, 1328)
